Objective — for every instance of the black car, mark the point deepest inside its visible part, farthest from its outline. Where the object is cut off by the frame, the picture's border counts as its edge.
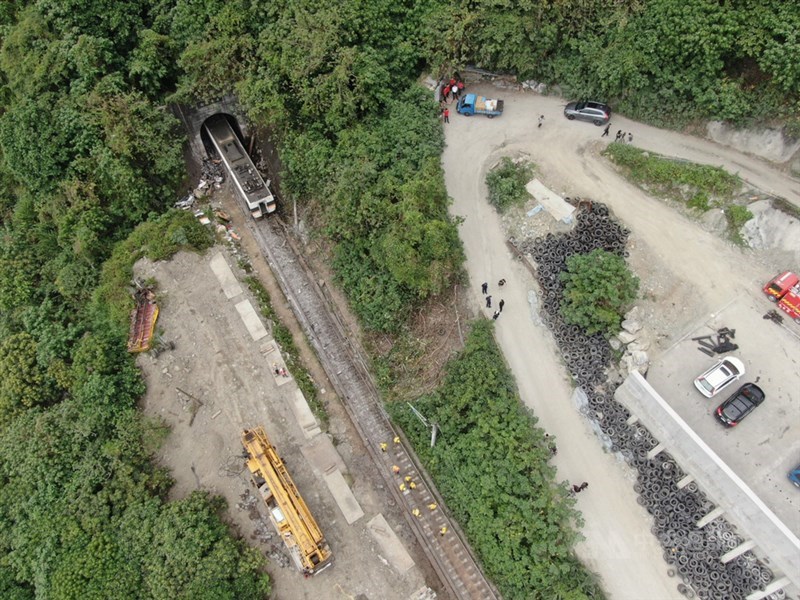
(741, 404)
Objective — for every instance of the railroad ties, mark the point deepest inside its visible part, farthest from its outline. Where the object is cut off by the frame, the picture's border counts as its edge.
(345, 366)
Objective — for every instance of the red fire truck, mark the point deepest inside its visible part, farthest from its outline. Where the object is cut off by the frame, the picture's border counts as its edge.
(784, 289)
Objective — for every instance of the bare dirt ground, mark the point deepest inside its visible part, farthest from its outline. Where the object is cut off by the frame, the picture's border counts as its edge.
(685, 272)
(216, 361)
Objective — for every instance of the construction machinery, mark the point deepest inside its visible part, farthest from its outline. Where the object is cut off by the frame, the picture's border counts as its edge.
(287, 509)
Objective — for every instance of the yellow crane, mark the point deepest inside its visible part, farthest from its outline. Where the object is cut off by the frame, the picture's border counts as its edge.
(287, 509)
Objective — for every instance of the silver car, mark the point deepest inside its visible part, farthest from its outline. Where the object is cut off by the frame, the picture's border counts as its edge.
(594, 112)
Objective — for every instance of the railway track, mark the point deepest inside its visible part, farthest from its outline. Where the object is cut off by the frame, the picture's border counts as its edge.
(450, 556)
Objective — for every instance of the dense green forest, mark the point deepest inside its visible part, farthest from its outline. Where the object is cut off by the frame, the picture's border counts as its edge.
(91, 158)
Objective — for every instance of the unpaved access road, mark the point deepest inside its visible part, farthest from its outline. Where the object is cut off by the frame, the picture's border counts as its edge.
(686, 269)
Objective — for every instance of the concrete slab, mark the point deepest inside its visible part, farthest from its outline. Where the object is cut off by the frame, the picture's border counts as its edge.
(344, 497)
(742, 506)
(230, 285)
(391, 546)
(322, 456)
(276, 364)
(302, 412)
(251, 320)
(552, 202)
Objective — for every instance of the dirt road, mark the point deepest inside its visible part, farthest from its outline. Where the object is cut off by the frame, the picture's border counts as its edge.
(681, 265)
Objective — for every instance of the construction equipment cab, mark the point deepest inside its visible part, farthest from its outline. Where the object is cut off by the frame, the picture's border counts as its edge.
(471, 104)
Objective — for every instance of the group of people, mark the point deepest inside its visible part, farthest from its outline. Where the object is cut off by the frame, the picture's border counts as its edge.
(485, 291)
(621, 135)
(452, 89)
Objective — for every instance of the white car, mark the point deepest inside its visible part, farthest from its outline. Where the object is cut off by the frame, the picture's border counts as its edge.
(720, 376)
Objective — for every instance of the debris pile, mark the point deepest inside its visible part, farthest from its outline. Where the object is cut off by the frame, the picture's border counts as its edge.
(719, 344)
(633, 342)
(212, 171)
(143, 320)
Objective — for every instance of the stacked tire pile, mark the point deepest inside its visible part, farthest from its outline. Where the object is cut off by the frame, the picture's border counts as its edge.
(692, 553)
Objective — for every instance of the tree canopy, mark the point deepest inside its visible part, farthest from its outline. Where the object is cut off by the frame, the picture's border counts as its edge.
(598, 289)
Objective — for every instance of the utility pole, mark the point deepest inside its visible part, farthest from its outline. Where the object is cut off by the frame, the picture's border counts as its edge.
(434, 427)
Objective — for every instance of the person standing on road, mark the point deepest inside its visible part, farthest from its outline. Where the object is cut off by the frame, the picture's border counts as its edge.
(541, 120)
(484, 288)
(501, 305)
(630, 137)
(605, 131)
(446, 115)
(488, 302)
(619, 135)
(495, 315)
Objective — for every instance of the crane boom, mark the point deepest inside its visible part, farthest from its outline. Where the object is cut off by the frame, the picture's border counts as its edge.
(287, 509)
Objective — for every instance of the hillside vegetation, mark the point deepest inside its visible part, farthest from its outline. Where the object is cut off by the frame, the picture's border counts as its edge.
(91, 158)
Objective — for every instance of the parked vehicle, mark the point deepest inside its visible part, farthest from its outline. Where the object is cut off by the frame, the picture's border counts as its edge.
(594, 112)
(471, 104)
(777, 287)
(740, 404)
(790, 303)
(794, 476)
(720, 376)
(784, 290)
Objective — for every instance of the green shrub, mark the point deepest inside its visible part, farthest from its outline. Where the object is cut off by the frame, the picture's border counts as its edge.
(699, 201)
(737, 216)
(157, 239)
(599, 288)
(680, 180)
(506, 183)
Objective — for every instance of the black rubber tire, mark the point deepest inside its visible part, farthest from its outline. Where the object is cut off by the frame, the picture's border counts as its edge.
(571, 117)
(598, 123)
(491, 116)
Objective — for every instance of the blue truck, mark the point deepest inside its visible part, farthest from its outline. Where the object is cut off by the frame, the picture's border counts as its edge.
(472, 104)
